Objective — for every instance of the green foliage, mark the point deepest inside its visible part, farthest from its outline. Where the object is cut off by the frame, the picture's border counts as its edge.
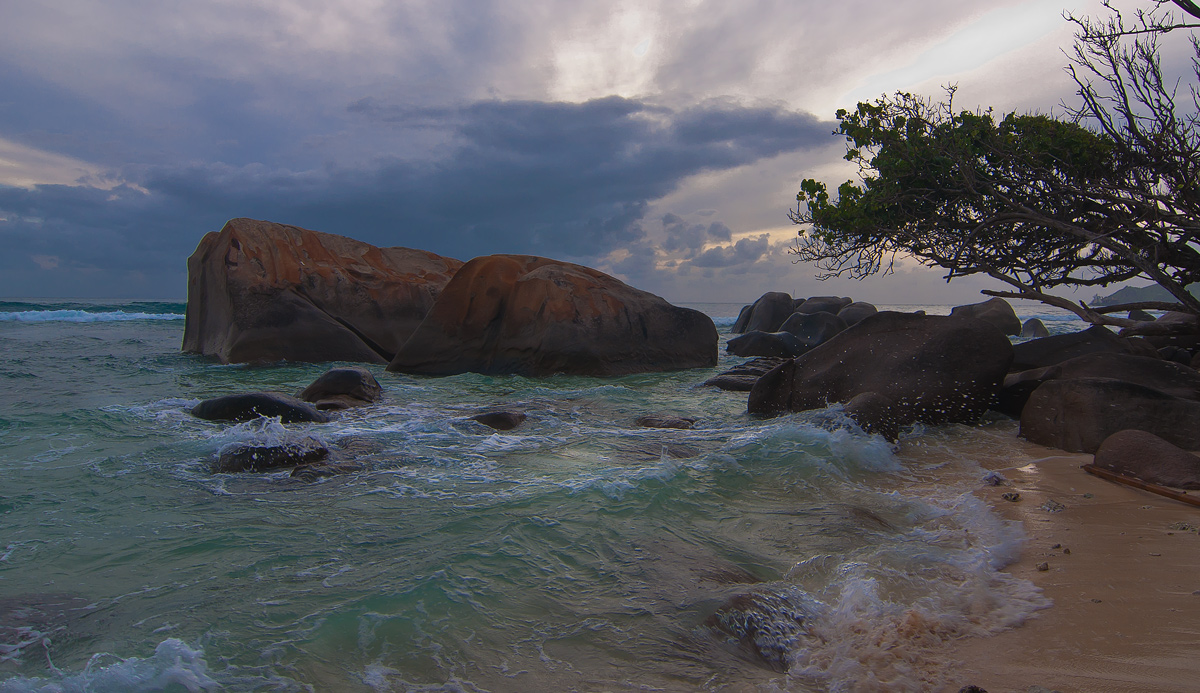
(1032, 200)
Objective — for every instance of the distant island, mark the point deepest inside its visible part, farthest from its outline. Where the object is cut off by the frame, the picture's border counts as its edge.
(1137, 294)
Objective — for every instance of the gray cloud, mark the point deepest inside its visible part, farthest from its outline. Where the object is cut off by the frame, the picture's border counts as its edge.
(558, 179)
(745, 251)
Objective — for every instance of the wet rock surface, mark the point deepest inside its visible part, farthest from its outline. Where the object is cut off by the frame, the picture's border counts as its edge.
(248, 406)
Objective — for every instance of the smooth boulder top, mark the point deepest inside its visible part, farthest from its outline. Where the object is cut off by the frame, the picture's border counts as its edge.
(251, 405)
(260, 291)
(1039, 353)
(532, 316)
(997, 311)
(1148, 457)
(342, 388)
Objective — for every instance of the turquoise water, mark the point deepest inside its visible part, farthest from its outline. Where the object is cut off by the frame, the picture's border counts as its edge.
(576, 552)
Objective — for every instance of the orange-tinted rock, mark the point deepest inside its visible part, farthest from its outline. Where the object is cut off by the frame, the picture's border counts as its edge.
(533, 316)
(259, 291)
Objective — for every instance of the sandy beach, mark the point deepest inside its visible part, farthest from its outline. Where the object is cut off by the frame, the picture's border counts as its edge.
(1122, 566)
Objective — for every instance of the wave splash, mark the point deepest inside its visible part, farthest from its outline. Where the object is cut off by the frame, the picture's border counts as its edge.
(83, 316)
(173, 667)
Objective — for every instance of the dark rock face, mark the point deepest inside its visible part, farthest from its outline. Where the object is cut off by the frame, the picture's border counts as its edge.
(777, 344)
(826, 304)
(265, 458)
(1176, 355)
(259, 291)
(501, 420)
(1078, 414)
(1034, 329)
(1169, 324)
(933, 369)
(768, 312)
(997, 311)
(1039, 353)
(252, 405)
(856, 312)
(1165, 376)
(342, 388)
(665, 421)
(741, 378)
(1148, 457)
(525, 315)
(1140, 315)
(813, 329)
(743, 319)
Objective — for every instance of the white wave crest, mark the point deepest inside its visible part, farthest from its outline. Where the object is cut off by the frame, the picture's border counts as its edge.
(83, 316)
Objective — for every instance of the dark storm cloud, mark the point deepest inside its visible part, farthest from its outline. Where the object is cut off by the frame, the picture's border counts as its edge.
(559, 179)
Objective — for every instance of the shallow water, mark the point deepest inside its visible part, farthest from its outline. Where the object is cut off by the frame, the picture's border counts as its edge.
(576, 552)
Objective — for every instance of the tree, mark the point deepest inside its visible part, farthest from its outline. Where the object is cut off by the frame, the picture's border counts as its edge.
(1108, 194)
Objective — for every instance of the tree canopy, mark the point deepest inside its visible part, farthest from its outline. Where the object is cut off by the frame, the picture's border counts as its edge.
(1107, 194)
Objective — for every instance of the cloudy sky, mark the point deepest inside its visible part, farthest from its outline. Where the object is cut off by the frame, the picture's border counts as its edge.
(660, 140)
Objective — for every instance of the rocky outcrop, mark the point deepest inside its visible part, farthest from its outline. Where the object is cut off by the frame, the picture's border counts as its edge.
(814, 329)
(893, 369)
(1039, 353)
(251, 405)
(525, 315)
(501, 420)
(766, 314)
(665, 421)
(342, 388)
(856, 312)
(1078, 414)
(997, 311)
(824, 304)
(1148, 457)
(259, 291)
(1034, 329)
(1158, 374)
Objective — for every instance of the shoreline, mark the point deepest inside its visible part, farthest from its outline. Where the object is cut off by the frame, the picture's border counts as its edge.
(1123, 572)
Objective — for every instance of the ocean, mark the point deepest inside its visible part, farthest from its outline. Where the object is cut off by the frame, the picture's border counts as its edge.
(577, 552)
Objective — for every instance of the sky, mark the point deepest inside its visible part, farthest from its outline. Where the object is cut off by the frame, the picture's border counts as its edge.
(662, 141)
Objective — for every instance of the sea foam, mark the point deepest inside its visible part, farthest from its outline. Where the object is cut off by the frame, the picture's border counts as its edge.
(173, 667)
(83, 316)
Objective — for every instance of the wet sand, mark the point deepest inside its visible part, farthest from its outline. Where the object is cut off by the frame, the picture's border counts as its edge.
(1124, 575)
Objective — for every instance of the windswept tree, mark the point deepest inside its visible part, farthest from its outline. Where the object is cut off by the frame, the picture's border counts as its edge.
(1106, 195)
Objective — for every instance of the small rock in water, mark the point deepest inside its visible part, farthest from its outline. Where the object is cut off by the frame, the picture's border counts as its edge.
(661, 421)
(1066, 552)
(263, 458)
(1011, 496)
(342, 388)
(500, 420)
(1053, 506)
(994, 479)
(250, 406)
(1043, 567)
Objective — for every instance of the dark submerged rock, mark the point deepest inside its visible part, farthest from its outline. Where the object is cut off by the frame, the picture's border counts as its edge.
(259, 291)
(342, 388)
(665, 421)
(265, 458)
(933, 369)
(1034, 329)
(1078, 414)
(532, 316)
(765, 625)
(249, 406)
(777, 344)
(997, 311)
(501, 420)
(741, 378)
(313, 472)
(1148, 457)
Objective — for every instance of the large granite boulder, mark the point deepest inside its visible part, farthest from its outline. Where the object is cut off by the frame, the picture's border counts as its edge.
(766, 314)
(894, 369)
(1148, 457)
(826, 304)
(1168, 325)
(259, 291)
(996, 311)
(1034, 329)
(1039, 353)
(1077, 414)
(533, 316)
(814, 329)
(855, 312)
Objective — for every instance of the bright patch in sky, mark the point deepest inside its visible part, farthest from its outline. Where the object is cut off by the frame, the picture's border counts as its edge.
(992, 35)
